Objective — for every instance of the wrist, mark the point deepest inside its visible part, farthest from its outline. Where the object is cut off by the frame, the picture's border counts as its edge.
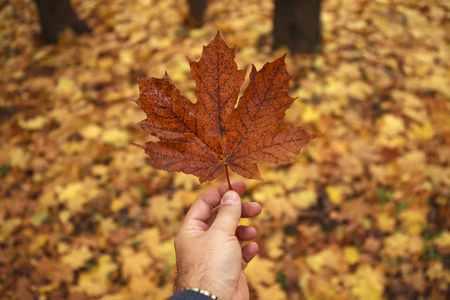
(203, 292)
(205, 288)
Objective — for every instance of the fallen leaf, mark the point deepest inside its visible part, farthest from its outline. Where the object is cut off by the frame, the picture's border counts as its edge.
(367, 283)
(261, 271)
(134, 263)
(351, 255)
(35, 123)
(331, 257)
(442, 242)
(372, 245)
(19, 157)
(96, 282)
(274, 245)
(91, 131)
(304, 199)
(23, 289)
(400, 245)
(414, 220)
(273, 292)
(77, 258)
(335, 193)
(385, 222)
(119, 236)
(141, 286)
(416, 281)
(116, 137)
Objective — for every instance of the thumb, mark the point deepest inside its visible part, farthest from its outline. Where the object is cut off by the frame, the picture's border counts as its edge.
(229, 213)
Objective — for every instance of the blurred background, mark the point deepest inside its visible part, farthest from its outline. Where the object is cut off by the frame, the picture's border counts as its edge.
(364, 214)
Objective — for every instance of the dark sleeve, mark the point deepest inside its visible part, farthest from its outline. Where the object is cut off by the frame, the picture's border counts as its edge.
(189, 295)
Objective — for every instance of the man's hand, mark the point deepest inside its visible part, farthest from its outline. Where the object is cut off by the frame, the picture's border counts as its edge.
(209, 254)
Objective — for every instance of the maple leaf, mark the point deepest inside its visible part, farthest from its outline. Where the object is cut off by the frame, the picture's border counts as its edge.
(206, 137)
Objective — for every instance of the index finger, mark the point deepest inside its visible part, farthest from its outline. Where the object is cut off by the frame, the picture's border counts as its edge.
(202, 208)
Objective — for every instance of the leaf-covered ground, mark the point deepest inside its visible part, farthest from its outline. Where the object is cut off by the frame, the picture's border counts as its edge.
(364, 214)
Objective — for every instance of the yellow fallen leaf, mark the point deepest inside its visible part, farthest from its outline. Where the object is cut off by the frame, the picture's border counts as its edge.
(134, 263)
(95, 282)
(126, 56)
(280, 208)
(267, 192)
(71, 192)
(400, 245)
(311, 114)
(65, 86)
(64, 216)
(38, 242)
(141, 286)
(63, 248)
(35, 123)
(303, 199)
(330, 257)
(75, 195)
(167, 251)
(317, 286)
(439, 275)
(414, 220)
(90, 132)
(77, 258)
(187, 181)
(439, 174)
(367, 283)
(162, 209)
(274, 245)
(391, 125)
(7, 227)
(107, 226)
(442, 242)
(116, 137)
(385, 223)
(423, 131)
(351, 255)
(272, 292)
(19, 157)
(359, 90)
(121, 202)
(413, 161)
(413, 107)
(335, 194)
(261, 271)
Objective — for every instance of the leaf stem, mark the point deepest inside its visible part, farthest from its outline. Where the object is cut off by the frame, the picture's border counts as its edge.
(228, 178)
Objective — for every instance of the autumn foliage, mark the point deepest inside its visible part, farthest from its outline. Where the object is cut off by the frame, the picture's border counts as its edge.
(362, 214)
(211, 135)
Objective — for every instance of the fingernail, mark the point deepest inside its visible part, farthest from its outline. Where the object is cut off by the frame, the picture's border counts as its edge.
(230, 197)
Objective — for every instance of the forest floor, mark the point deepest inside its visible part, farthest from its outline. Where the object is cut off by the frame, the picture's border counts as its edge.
(363, 214)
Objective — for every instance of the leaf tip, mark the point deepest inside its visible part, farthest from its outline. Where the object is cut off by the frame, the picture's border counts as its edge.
(253, 72)
(315, 136)
(138, 79)
(139, 146)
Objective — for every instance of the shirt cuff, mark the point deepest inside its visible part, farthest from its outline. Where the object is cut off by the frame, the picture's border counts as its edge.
(189, 295)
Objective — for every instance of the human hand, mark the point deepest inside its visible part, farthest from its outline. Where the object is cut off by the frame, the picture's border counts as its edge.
(209, 255)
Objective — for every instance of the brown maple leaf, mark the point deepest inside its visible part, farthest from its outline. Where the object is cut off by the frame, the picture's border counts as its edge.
(206, 137)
